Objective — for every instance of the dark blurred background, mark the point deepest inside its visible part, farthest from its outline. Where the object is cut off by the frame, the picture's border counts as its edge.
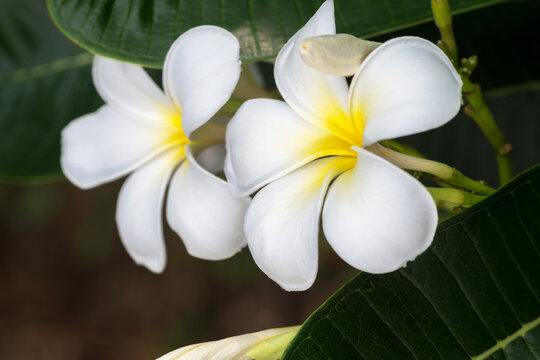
(68, 289)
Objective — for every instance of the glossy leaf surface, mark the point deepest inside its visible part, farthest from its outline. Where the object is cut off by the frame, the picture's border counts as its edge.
(44, 83)
(141, 31)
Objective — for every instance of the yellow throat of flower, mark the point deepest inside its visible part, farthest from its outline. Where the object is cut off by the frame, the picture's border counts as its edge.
(177, 135)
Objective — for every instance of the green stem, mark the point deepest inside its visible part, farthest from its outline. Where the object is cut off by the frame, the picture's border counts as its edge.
(443, 20)
(455, 196)
(477, 109)
(402, 148)
(231, 106)
(444, 172)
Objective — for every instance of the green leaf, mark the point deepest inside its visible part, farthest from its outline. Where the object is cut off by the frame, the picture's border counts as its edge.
(474, 294)
(44, 83)
(141, 31)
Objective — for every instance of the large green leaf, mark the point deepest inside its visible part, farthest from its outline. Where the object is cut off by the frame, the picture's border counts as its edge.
(141, 31)
(475, 294)
(44, 83)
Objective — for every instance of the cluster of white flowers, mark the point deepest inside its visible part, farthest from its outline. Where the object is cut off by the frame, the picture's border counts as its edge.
(306, 157)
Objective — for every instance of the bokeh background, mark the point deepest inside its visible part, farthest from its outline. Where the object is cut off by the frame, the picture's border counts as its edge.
(68, 289)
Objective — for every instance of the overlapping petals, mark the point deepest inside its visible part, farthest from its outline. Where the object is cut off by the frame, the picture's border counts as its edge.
(318, 98)
(375, 216)
(108, 144)
(202, 208)
(145, 130)
(138, 211)
(130, 90)
(294, 202)
(266, 140)
(404, 87)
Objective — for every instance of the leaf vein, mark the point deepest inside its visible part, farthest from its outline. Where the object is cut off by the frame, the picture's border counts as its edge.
(489, 272)
(472, 305)
(525, 278)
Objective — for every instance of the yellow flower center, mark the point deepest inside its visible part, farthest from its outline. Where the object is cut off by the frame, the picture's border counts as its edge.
(177, 136)
(334, 119)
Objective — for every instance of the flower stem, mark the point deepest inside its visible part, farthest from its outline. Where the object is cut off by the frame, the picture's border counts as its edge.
(402, 148)
(477, 109)
(442, 171)
(231, 106)
(455, 196)
(443, 20)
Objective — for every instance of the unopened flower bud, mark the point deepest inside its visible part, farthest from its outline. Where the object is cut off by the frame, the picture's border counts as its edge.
(339, 54)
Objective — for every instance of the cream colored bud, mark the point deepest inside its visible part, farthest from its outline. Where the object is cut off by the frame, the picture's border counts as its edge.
(339, 54)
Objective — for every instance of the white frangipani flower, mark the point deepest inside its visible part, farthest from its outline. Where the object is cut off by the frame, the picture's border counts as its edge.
(310, 149)
(160, 137)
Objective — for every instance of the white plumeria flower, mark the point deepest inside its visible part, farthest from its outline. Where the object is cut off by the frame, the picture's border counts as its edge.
(311, 149)
(161, 137)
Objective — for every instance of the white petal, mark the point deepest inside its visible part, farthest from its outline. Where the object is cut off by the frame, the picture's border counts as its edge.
(200, 73)
(106, 145)
(138, 212)
(316, 97)
(405, 86)
(266, 139)
(203, 211)
(128, 88)
(377, 217)
(235, 347)
(282, 223)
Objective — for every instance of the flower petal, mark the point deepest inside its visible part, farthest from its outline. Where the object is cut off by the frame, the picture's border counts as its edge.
(377, 217)
(235, 347)
(200, 73)
(203, 211)
(405, 86)
(266, 140)
(282, 223)
(138, 212)
(106, 145)
(128, 88)
(316, 97)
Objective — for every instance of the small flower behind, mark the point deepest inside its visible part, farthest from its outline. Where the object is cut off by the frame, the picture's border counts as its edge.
(309, 153)
(161, 137)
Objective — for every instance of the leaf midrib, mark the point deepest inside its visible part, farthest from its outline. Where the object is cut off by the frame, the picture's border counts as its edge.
(46, 69)
(501, 344)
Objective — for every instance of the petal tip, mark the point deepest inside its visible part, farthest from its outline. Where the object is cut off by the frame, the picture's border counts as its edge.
(157, 267)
